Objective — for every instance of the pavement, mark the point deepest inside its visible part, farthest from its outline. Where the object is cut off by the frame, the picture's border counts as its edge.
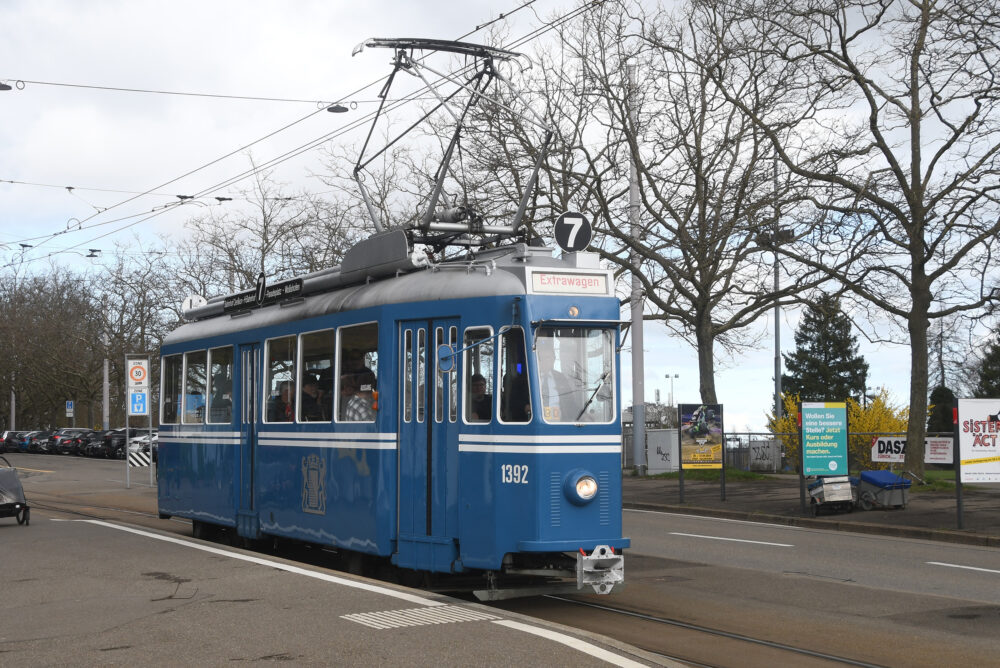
(778, 500)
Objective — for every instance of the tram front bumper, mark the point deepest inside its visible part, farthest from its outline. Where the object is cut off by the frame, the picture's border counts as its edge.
(602, 569)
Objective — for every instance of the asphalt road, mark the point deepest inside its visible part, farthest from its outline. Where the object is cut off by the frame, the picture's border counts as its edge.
(134, 591)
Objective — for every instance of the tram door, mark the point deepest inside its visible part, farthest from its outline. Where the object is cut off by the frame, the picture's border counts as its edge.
(249, 415)
(428, 446)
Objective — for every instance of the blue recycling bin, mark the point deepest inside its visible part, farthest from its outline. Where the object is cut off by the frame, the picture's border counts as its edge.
(882, 489)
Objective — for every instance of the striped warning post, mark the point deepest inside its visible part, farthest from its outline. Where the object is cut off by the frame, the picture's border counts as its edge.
(138, 459)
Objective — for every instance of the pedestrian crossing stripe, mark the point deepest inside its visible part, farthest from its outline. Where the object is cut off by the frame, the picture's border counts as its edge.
(389, 619)
(138, 459)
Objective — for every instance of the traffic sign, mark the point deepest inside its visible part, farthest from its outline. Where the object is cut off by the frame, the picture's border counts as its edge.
(138, 404)
(69, 409)
(572, 231)
(138, 375)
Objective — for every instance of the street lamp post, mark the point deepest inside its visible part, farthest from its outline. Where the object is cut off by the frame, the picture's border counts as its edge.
(671, 377)
(106, 417)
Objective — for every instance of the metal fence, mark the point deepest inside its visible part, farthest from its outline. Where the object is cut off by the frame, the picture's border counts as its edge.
(761, 452)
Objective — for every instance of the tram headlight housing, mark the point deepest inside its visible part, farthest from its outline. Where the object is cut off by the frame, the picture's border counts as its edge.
(580, 487)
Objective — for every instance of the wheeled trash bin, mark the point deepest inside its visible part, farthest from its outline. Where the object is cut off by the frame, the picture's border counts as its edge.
(831, 492)
(884, 489)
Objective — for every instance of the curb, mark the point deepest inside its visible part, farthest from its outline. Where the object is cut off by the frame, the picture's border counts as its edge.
(966, 537)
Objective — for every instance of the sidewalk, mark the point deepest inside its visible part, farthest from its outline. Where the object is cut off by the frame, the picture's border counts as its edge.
(777, 500)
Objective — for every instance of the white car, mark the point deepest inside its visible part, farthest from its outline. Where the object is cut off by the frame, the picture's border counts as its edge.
(141, 443)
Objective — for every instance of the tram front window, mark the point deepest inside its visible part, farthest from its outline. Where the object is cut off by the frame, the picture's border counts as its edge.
(575, 374)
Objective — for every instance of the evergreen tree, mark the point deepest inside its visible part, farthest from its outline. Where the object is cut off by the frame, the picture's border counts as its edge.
(826, 365)
(988, 386)
(940, 420)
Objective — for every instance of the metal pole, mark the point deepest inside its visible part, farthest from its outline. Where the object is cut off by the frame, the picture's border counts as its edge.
(106, 415)
(128, 482)
(777, 309)
(638, 392)
(13, 405)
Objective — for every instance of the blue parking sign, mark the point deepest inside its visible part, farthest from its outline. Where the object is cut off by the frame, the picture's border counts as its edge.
(137, 403)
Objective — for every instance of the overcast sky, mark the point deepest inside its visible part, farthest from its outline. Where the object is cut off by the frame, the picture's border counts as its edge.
(60, 136)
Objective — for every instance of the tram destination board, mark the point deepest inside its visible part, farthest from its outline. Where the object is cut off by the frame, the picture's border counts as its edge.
(263, 296)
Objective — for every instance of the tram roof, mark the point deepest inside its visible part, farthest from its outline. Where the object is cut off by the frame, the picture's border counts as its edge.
(495, 272)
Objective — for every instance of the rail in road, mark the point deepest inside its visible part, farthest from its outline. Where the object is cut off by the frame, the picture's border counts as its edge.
(92, 570)
(704, 591)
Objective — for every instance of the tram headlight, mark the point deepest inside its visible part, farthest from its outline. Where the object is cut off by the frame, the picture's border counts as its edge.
(580, 487)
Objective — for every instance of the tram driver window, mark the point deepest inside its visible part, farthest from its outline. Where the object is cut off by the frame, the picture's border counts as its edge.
(194, 387)
(357, 399)
(479, 354)
(171, 393)
(280, 379)
(220, 388)
(515, 397)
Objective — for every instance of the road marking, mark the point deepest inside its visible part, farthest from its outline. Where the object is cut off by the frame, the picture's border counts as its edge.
(715, 519)
(21, 468)
(734, 540)
(419, 600)
(968, 568)
(570, 641)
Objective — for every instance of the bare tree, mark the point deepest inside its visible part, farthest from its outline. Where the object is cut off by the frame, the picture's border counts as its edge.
(903, 150)
(709, 194)
(278, 234)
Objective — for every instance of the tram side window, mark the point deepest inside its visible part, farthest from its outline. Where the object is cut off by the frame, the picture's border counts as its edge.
(317, 354)
(280, 379)
(358, 374)
(478, 367)
(220, 385)
(515, 397)
(194, 387)
(172, 377)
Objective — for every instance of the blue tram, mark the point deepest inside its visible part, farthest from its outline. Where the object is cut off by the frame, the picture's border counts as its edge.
(453, 416)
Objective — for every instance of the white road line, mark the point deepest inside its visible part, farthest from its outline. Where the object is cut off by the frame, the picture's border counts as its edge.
(570, 641)
(734, 540)
(419, 600)
(715, 519)
(968, 568)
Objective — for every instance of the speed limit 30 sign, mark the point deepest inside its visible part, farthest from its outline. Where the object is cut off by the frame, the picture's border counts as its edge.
(138, 374)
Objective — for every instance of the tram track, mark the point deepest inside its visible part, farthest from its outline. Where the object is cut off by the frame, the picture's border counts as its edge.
(766, 647)
(672, 640)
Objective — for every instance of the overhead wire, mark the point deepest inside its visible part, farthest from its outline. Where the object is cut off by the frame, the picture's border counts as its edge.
(531, 35)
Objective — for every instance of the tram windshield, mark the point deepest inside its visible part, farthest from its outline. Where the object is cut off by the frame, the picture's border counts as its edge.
(576, 374)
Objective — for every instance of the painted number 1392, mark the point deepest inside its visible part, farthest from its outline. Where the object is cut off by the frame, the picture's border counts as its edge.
(514, 473)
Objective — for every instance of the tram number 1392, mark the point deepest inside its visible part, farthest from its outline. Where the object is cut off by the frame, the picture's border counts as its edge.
(516, 474)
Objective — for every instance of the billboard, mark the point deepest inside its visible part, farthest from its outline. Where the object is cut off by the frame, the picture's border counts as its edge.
(824, 438)
(978, 447)
(701, 436)
(892, 450)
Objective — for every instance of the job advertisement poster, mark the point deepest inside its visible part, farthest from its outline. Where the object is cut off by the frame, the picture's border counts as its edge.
(978, 446)
(824, 438)
(701, 436)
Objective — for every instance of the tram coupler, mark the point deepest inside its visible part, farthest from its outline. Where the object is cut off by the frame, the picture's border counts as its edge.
(602, 569)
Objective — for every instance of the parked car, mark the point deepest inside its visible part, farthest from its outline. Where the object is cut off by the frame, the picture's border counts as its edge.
(38, 442)
(23, 440)
(64, 441)
(92, 444)
(115, 442)
(145, 443)
(9, 440)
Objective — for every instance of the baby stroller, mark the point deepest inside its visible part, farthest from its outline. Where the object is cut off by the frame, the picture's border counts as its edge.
(12, 502)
